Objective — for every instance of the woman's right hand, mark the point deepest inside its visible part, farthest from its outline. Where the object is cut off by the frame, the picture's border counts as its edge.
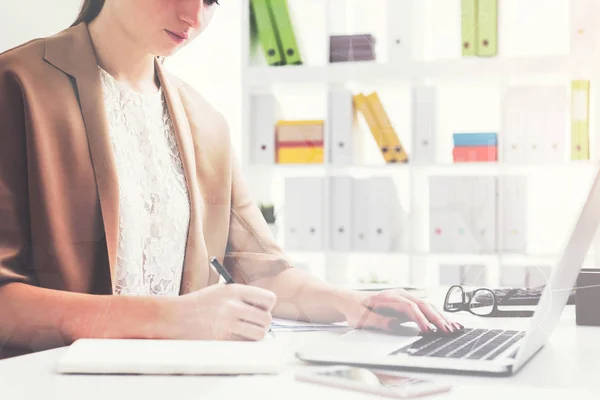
(221, 312)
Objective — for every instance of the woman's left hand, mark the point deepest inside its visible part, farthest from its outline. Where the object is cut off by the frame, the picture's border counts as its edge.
(386, 310)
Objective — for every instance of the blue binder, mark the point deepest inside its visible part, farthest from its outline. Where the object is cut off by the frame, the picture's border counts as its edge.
(475, 139)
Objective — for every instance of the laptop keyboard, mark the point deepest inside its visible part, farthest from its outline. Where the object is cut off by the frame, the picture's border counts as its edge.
(471, 344)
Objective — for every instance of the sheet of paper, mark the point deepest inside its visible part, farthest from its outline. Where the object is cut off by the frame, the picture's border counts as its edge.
(280, 324)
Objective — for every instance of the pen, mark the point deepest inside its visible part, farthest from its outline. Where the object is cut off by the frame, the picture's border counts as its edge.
(221, 270)
(225, 274)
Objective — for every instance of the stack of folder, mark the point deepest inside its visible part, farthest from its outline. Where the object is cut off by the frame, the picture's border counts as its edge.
(300, 141)
(475, 147)
(479, 27)
(275, 32)
(381, 128)
(345, 48)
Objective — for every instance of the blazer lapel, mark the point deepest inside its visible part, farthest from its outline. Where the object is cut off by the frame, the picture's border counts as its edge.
(196, 269)
(72, 51)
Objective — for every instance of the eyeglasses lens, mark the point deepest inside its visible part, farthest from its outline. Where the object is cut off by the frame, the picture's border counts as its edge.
(482, 302)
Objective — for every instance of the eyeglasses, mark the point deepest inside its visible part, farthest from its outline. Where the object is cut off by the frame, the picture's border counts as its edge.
(482, 302)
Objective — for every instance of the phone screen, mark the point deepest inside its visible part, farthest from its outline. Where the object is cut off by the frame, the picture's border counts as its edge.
(373, 378)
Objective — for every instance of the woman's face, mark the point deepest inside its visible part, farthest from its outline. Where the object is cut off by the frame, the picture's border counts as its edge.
(163, 26)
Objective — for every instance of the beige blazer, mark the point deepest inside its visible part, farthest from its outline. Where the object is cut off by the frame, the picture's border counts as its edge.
(59, 208)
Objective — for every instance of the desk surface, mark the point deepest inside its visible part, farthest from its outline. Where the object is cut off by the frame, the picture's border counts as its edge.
(567, 365)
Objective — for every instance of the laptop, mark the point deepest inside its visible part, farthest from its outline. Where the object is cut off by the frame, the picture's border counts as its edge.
(485, 351)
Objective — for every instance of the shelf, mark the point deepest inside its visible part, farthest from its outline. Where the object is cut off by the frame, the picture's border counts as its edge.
(479, 167)
(373, 72)
(425, 254)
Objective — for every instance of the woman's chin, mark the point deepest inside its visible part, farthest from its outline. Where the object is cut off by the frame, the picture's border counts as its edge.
(167, 51)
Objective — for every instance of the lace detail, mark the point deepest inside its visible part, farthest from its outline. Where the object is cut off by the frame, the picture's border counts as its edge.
(154, 208)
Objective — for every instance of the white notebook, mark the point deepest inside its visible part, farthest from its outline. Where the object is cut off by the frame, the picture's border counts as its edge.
(163, 357)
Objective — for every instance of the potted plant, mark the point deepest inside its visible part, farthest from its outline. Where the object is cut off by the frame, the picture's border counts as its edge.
(268, 212)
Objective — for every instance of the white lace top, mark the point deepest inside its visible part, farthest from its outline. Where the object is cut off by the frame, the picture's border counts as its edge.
(154, 207)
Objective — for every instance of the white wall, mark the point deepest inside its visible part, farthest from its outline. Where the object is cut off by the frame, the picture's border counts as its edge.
(23, 20)
(211, 64)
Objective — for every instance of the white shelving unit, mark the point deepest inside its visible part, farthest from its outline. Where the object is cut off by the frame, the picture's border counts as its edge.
(315, 20)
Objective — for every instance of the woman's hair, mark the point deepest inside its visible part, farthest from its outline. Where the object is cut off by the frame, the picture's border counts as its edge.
(89, 11)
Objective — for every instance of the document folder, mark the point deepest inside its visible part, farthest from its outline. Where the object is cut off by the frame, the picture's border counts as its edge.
(580, 98)
(469, 27)
(396, 148)
(487, 22)
(267, 34)
(283, 25)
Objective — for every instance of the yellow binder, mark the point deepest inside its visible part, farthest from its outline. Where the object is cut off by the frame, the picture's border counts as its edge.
(580, 102)
(361, 104)
(300, 155)
(396, 149)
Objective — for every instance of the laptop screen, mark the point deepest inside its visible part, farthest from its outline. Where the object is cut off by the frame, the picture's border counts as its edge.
(563, 277)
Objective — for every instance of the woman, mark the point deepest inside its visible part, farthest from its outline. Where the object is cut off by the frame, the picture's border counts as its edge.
(117, 185)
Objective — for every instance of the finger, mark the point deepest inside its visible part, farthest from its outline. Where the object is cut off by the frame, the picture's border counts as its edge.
(436, 318)
(430, 311)
(457, 326)
(417, 316)
(407, 307)
(452, 323)
(258, 297)
(249, 331)
(254, 315)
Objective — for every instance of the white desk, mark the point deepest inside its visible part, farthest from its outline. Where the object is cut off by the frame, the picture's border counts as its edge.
(569, 365)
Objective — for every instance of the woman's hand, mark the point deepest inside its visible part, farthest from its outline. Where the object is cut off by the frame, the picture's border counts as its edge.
(388, 309)
(221, 312)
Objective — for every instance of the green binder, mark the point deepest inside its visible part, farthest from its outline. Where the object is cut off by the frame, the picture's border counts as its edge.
(283, 25)
(469, 27)
(487, 19)
(267, 33)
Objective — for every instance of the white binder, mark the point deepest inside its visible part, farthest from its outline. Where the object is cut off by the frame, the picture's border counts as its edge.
(464, 235)
(440, 218)
(385, 215)
(463, 214)
(424, 124)
(340, 138)
(341, 206)
(513, 213)
(400, 27)
(264, 111)
(304, 213)
(483, 212)
(512, 144)
(360, 215)
(554, 121)
(535, 124)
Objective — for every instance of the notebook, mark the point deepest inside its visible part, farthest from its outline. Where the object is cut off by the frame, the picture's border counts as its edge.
(162, 357)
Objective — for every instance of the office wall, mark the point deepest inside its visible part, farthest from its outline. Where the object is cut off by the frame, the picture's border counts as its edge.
(211, 64)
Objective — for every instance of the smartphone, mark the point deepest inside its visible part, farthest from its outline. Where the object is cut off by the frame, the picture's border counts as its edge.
(381, 382)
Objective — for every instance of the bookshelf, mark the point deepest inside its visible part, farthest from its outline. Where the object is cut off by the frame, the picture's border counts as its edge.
(430, 60)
